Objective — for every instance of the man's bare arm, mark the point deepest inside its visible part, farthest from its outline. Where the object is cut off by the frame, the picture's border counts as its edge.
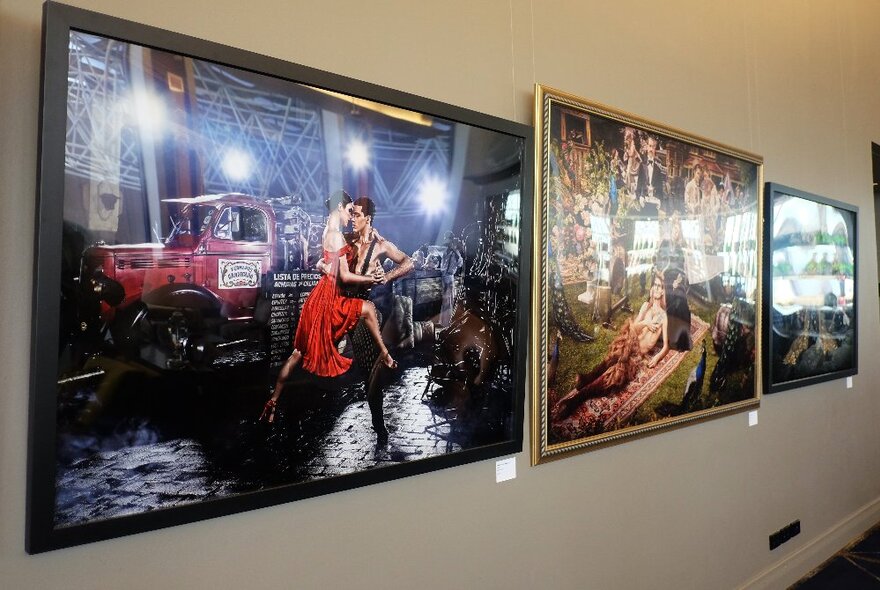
(403, 262)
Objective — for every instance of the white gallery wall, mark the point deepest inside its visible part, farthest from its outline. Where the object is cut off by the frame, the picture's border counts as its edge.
(795, 81)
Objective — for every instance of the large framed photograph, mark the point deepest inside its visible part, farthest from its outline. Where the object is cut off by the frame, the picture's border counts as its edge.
(258, 282)
(646, 296)
(810, 265)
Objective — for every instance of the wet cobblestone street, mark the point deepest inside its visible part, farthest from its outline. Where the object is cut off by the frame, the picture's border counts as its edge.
(137, 479)
(414, 432)
(173, 471)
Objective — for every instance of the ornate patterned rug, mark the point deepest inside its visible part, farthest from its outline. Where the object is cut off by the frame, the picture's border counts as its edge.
(604, 414)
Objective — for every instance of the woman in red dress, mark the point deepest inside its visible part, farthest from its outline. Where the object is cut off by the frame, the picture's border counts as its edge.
(327, 315)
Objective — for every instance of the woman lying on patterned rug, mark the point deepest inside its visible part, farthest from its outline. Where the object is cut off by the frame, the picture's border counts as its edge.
(633, 343)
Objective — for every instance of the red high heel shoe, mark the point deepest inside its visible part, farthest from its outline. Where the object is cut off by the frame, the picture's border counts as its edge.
(269, 411)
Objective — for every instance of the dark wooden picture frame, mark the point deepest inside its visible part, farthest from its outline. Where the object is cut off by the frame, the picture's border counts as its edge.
(811, 278)
(180, 207)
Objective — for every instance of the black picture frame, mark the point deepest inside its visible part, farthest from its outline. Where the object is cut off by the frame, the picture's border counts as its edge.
(497, 183)
(811, 294)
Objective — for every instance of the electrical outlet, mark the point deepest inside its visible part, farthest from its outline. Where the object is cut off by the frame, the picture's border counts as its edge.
(784, 534)
(777, 539)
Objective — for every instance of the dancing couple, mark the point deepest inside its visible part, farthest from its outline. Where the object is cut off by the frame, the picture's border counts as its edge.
(328, 314)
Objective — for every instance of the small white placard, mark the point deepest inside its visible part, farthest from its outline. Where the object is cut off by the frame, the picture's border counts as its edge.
(505, 469)
(849, 382)
(753, 417)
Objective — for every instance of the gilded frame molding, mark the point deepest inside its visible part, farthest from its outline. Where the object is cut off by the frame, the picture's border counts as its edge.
(544, 447)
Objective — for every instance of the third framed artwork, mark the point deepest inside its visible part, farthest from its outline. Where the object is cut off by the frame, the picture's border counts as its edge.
(810, 265)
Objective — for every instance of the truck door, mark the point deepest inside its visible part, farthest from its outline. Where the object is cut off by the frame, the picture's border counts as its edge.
(237, 254)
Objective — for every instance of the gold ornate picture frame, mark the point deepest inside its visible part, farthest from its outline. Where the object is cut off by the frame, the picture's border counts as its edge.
(647, 290)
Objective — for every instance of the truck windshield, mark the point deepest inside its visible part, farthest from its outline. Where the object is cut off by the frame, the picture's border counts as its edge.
(190, 223)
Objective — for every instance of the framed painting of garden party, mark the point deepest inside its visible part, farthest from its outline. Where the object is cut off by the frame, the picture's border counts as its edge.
(646, 298)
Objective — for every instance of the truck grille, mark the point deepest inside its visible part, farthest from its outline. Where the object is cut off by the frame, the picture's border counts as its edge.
(142, 262)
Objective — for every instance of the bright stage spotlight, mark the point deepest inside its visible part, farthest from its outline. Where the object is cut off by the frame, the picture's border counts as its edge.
(149, 112)
(237, 164)
(357, 155)
(432, 195)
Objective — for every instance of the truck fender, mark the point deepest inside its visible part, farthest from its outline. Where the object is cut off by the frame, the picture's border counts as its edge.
(106, 289)
(182, 296)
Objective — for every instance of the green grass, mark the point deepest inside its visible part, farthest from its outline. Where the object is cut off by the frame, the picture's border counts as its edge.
(579, 357)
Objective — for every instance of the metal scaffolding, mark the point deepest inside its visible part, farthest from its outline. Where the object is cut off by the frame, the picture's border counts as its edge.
(284, 134)
(101, 142)
(280, 132)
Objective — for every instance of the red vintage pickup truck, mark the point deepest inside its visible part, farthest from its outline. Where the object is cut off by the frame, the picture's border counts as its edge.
(208, 272)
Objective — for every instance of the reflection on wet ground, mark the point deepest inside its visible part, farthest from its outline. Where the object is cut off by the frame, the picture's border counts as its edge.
(136, 479)
(147, 442)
